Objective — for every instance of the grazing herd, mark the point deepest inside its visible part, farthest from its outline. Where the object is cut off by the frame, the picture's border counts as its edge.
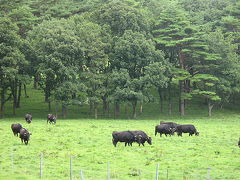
(24, 134)
(140, 137)
(128, 137)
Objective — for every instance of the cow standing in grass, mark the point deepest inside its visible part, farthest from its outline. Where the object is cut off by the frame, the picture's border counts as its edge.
(186, 128)
(124, 136)
(164, 129)
(16, 128)
(51, 118)
(141, 137)
(28, 118)
(171, 124)
(25, 135)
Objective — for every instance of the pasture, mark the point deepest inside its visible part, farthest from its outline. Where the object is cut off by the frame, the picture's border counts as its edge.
(89, 142)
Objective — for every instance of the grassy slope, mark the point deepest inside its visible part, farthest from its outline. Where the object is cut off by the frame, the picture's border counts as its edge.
(89, 142)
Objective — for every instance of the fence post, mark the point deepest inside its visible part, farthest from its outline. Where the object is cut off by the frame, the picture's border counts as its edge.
(41, 164)
(209, 176)
(71, 168)
(157, 171)
(81, 174)
(108, 171)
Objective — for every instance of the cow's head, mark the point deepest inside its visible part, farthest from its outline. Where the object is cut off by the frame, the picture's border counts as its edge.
(196, 133)
(149, 140)
(28, 118)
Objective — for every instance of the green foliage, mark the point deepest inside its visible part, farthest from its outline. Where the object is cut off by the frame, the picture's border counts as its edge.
(81, 45)
(121, 16)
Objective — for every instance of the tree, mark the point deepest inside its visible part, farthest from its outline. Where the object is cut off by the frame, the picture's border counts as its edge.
(133, 53)
(121, 16)
(58, 54)
(11, 61)
(94, 44)
(159, 74)
(206, 83)
(173, 33)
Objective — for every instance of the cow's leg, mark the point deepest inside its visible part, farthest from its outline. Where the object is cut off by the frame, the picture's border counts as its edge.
(143, 143)
(115, 143)
(125, 144)
(26, 142)
(22, 140)
(166, 134)
(160, 134)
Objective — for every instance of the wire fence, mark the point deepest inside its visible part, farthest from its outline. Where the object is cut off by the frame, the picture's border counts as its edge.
(40, 167)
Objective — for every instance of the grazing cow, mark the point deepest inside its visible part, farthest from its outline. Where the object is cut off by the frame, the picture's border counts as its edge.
(28, 118)
(124, 136)
(171, 124)
(186, 128)
(51, 118)
(164, 129)
(141, 137)
(25, 135)
(16, 129)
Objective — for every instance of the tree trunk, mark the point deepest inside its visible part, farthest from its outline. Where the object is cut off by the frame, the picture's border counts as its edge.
(14, 94)
(169, 100)
(105, 104)
(56, 109)
(141, 108)
(19, 95)
(108, 109)
(134, 104)
(49, 106)
(64, 111)
(35, 84)
(90, 108)
(95, 111)
(181, 82)
(160, 99)
(126, 110)
(181, 100)
(25, 91)
(2, 102)
(116, 109)
(210, 106)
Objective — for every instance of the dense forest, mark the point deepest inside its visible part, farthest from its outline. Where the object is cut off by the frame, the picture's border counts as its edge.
(106, 53)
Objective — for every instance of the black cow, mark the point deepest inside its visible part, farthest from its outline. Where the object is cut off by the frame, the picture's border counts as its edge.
(28, 118)
(141, 137)
(124, 136)
(171, 124)
(51, 118)
(186, 128)
(16, 128)
(164, 129)
(25, 135)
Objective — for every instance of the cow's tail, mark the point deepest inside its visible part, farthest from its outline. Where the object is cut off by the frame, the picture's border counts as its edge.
(155, 130)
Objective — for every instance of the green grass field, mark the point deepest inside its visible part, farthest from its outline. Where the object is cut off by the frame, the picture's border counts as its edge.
(89, 142)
